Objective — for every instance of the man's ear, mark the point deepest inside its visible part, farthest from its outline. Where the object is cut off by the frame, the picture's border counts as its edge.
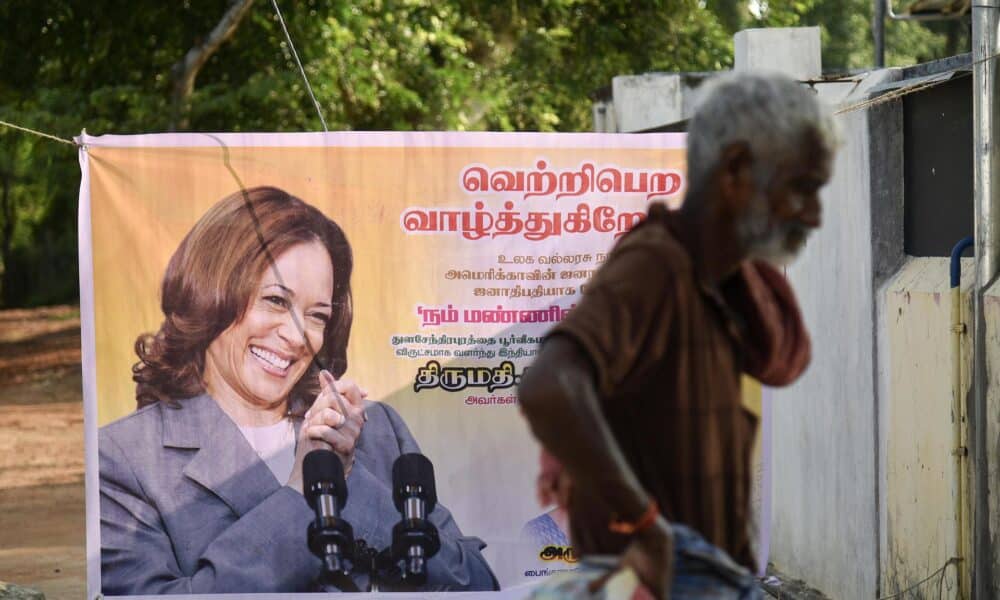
(735, 177)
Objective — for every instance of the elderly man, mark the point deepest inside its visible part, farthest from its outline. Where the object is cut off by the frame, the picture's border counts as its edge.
(637, 392)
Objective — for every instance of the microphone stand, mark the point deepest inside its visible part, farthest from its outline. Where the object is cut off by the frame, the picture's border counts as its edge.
(384, 574)
(400, 567)
(335, 574)
(336, 581)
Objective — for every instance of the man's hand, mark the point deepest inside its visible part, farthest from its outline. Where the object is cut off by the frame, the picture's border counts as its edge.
(651, 556)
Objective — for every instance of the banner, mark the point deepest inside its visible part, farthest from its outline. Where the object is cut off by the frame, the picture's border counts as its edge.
(467, 248)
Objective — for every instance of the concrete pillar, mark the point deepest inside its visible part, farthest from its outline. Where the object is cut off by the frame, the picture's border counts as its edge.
(646, 101)
(604, 117)
(794, 51)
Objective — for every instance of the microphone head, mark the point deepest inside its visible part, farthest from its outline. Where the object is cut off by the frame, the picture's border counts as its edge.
(416, 472)
(323, 473)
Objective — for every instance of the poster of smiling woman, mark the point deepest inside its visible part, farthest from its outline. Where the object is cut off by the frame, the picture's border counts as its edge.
(248, 298)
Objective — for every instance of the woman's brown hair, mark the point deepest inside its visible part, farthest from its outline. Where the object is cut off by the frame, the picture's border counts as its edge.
(209, 282)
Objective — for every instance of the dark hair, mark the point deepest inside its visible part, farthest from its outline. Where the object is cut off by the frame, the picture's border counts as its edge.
(209, 283)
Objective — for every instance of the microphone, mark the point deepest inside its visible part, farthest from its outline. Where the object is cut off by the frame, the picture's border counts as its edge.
(330, 537)
(414, 538)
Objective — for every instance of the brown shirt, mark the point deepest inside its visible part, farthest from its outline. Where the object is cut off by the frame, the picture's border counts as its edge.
(667, 353)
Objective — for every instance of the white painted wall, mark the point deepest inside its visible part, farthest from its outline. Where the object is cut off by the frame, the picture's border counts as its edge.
(863, 477)
(825, 522)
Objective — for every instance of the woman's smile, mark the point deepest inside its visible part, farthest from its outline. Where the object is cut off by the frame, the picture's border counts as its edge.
(271, 361)
(259, 359)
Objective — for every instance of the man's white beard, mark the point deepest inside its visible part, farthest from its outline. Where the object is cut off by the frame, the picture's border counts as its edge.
(774, 249)
(765, 241)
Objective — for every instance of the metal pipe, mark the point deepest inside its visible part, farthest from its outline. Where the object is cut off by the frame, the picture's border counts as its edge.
(939, 16)
(882, 9)
(878, 32)
(958, 420)
(985, 15)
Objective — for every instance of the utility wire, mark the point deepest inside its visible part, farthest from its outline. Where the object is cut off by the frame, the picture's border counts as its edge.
(951, 561)
(911, 89)
(309, 89)
(263, 242)
(274, 267)
(864, 104)
(295, 54)
(899, 93)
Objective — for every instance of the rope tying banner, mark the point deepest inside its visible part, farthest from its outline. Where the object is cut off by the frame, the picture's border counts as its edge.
(38, 133)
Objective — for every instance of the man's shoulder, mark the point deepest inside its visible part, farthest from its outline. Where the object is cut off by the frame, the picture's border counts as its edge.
(652, 240)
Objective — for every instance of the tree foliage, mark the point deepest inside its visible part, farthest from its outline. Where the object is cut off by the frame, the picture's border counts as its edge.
(846, 30)
(373, 64)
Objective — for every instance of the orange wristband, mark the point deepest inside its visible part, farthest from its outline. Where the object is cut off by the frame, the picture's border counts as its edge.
(643, 523)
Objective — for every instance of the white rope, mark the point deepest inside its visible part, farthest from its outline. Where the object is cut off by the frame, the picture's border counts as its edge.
(38, 133)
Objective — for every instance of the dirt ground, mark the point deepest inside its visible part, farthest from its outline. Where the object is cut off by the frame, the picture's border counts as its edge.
(42, 531)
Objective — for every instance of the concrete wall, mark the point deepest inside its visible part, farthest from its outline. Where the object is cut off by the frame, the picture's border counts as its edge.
(919, 490)
(646, 102)
(825, 519)
(991, 309)
(863, 482)
(651, 98)
(864, 475)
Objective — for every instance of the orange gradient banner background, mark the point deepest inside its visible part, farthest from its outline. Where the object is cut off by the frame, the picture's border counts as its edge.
(146, 192)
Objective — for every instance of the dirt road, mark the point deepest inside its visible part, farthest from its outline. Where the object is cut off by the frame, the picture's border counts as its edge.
(42, 532)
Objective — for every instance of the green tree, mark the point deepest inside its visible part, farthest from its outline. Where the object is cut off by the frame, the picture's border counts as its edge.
(116, 66)
(732, 14)
(551, 56)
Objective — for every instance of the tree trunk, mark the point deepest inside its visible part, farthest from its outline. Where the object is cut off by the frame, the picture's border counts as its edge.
(732, 14)
(186, 70)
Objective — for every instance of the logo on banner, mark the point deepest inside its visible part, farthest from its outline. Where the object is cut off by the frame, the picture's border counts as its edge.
(561, 553)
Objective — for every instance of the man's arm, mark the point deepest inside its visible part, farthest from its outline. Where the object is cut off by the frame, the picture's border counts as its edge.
(560, 401)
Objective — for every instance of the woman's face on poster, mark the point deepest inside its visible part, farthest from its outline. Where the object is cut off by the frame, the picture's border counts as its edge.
(263, 355)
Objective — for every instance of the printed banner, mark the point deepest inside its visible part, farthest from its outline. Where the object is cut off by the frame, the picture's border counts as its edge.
(466, 249)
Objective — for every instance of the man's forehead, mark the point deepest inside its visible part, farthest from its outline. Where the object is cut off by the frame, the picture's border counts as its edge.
(811, 155)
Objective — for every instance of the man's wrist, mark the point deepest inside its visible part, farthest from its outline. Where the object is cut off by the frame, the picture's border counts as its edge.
(640, 524)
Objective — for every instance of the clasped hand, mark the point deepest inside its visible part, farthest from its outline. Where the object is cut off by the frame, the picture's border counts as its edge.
(333, 422)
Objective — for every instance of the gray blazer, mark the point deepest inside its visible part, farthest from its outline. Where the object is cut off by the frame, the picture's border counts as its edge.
(188, 507)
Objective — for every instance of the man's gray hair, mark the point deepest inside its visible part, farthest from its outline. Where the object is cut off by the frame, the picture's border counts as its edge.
(770, 112)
